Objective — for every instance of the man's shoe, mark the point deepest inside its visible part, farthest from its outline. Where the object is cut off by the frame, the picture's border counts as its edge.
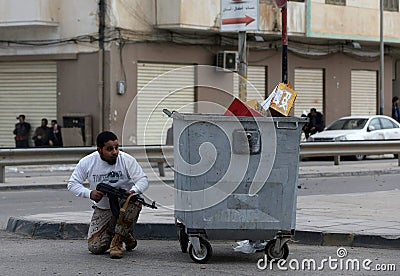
(116, 247)
(130, 242)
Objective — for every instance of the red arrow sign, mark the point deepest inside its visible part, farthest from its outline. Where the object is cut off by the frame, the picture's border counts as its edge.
(244, 20)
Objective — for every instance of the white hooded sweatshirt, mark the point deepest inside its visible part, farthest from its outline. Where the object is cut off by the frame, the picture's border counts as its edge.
(126, 173)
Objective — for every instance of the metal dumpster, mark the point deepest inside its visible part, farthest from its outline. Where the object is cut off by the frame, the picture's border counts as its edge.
(235, 178)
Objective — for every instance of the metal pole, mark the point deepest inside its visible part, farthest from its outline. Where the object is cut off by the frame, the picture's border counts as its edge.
(382, 64)
(3, 173)
(242, 70)
(102, 24)
(284, 45)
(102, 13)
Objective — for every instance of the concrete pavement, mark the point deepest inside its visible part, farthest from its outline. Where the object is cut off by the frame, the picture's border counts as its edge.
(356, 219)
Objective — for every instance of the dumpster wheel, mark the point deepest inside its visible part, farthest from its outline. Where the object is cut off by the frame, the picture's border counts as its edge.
(183, 238)
(274, 256)
(203, 256)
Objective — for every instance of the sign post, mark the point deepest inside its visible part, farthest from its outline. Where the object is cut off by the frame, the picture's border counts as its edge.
(283, 5)
(242, 69)
(240, 16)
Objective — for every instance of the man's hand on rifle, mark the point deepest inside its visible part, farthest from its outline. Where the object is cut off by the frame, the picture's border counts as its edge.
(115, 193)
(96, 195)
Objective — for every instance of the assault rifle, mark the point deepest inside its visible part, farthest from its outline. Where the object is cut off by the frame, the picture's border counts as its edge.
(114, 193)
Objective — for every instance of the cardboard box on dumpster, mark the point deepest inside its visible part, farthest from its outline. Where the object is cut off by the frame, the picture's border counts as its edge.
(279, 103)
(254, 104)
(281, 100)
(239, 108)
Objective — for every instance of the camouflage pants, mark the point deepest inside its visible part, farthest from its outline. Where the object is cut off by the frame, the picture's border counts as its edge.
(103, 226)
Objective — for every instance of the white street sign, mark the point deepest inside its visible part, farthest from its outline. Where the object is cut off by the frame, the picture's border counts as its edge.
(239, 15)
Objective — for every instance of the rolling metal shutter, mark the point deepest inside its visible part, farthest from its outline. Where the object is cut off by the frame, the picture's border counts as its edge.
(309, 85)
(364, 92)
(158, 90)
(256, 88)
(28, 88)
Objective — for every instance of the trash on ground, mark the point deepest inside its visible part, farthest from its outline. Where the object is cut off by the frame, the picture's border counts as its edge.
(249, 247)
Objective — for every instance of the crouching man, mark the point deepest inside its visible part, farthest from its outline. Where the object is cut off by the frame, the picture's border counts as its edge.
(120, 170)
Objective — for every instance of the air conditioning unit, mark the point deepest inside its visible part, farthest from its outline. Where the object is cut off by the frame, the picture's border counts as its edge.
(227, 61)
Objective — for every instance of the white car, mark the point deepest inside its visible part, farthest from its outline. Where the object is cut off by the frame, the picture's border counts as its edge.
(375, 127)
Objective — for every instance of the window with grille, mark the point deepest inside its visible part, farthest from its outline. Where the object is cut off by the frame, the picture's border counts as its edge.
(391, 5)
(336, 2)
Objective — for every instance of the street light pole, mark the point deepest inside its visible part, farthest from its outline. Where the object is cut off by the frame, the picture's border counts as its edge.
(382, 63)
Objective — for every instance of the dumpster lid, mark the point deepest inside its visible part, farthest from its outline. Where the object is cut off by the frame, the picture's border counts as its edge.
(221, 117)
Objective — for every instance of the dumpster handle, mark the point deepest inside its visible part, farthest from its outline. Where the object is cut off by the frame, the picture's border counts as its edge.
(173, 114)
(286, 127)
(167, 112)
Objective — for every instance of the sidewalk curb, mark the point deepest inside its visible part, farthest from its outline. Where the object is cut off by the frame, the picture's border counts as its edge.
(4, 188)
(31, 187)
(347, 239)
(349, 173)
(163, 231)
(65, 231)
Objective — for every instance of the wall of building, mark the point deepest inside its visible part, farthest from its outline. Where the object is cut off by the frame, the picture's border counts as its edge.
(135, 15)
(396, 78)
(205, 15)
(78, 18)
(79, 79)
(150, 53)
(33, 13)
(358, 20)
(78, 88)
(191, 14)
(338, 81)
(79, 74)
(48, 24)
(337, 75)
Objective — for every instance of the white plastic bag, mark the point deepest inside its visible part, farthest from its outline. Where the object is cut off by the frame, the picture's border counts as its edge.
(250, 247)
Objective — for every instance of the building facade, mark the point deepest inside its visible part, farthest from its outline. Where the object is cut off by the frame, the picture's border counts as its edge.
(115, 64)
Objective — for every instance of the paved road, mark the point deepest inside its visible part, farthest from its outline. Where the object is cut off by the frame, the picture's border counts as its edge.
(347, 184)
(330, 211)
(31, 202)
(24, 256)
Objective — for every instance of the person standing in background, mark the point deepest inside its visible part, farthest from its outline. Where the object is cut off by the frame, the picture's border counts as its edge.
(21, 132)
(395, 108)
(55, 138)
(42, 134)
